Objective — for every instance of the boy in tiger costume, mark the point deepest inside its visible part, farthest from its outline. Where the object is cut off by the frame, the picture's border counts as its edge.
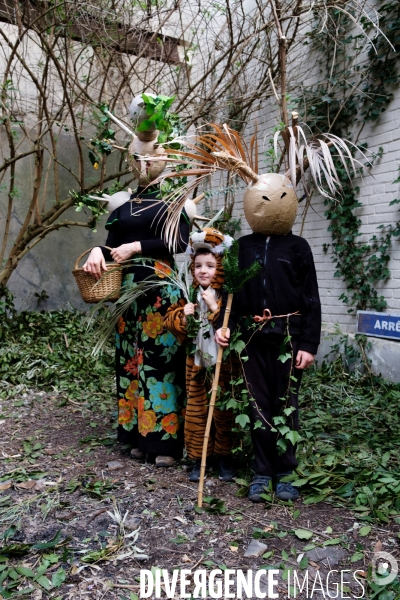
(206, 248)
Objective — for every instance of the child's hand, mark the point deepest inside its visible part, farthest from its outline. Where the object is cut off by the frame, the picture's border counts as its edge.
(189, 309)
(222, 337)
(304, 359)
(209, 299)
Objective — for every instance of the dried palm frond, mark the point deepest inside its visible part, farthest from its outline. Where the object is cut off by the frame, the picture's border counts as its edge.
(132, 292)
(214, 219)
(223, 149)
(315, 154)
(220, 149)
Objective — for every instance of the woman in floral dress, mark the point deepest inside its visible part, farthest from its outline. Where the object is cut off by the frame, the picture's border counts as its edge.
(150, 363)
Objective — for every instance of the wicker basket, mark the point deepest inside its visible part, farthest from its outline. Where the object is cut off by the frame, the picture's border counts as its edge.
(106, 288)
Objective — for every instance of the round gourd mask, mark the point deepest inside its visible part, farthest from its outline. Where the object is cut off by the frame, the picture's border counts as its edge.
(270, 204)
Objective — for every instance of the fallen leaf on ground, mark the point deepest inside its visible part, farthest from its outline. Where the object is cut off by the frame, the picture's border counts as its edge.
(114, 465)
(50, 451)
(4, 485)
(26, 485)
(303, 534)
(181, 520)
(65, 515)
(186, 559)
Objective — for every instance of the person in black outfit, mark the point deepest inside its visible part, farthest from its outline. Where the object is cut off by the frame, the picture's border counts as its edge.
(286, 284)
(150, 363)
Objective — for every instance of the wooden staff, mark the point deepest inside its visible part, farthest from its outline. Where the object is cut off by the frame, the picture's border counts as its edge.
(212, 403)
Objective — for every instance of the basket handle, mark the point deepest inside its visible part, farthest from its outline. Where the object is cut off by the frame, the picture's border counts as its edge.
(87, 252)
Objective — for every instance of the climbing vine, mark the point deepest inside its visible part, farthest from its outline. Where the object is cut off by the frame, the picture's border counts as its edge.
(358, 88)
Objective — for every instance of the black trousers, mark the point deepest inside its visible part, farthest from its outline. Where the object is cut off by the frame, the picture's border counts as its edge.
(268, 380)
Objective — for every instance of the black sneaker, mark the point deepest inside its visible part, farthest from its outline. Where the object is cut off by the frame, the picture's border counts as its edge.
(194, 474)
(226, 469)
(284, 489)
(259, 485)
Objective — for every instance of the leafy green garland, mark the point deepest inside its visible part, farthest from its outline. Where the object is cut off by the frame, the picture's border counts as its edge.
(234, 277)
(157, 110)
(193, 323)
(361, 265)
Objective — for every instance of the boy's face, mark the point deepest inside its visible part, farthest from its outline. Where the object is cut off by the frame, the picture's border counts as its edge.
(205, 266)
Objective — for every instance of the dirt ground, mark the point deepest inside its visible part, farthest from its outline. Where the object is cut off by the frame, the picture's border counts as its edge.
(61, 471)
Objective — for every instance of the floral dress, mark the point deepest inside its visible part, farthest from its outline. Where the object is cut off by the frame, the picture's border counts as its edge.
(150, 362)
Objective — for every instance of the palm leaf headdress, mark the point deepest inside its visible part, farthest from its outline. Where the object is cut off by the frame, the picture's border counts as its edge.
(224, 149)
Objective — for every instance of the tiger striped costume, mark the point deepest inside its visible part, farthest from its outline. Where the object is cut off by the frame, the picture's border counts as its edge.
(197, 386)
(198, 382)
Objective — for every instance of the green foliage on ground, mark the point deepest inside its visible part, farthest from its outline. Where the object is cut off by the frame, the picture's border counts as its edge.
(52, 351)
(349, 443)
(351, 454)
(350, 423)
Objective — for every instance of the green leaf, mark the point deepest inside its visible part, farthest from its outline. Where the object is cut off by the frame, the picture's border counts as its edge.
(145, 125)
(50, 544)
(238, 346)
(148, 99)
(16, 549)
(58, 578)
(294, 437)
(232, 403)
(304, 562)
(303, 534)
(283, 429)
(25, 572)
(364, 531)
(357, 556)
(300, 482)
(44, 582)
(284, 357)
(281, 445)
(242, 420)
(234, 277)
(333, 542)
(124, 382)
(240, 481)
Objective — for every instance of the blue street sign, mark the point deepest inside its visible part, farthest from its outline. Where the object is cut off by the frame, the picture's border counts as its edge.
(378, 324)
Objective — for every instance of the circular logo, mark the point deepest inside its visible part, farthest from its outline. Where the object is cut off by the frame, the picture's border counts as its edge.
(384, 568)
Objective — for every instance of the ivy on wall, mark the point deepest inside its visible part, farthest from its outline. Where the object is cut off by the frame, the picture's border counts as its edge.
(357, 89)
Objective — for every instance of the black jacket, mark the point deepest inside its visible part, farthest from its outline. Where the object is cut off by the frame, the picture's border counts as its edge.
(286, 283)
(143, 222)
